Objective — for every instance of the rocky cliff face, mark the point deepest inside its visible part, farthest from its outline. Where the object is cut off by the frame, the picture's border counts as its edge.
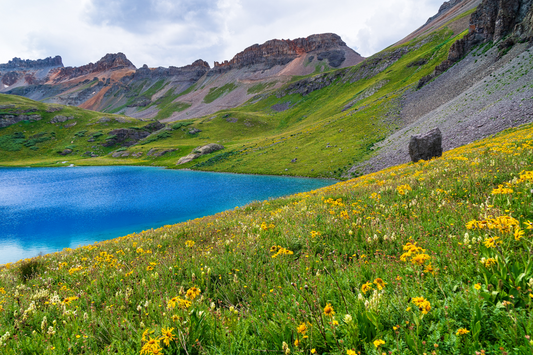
(193, 71)
(281, 52)
(21, 64)
(492, 21)
(108, 62)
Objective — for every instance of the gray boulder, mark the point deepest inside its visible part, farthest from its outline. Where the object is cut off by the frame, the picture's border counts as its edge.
(199, 151)
(426, 146)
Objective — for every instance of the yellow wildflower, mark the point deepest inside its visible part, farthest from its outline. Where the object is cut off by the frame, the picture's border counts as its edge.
(502, 190)
(348, 352)
(378, 342)
(518, 234)
(491, 242)
(189, 243)
(328, 310)
(167, 335)
(366, 287)
(420, 259)
(477, 286)
(462, 331)
(423, 305)
(380, 283)
(302, 328)
(192, 293)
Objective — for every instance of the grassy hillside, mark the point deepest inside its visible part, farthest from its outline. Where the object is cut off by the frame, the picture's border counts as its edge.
(324, 132)
(433, 257)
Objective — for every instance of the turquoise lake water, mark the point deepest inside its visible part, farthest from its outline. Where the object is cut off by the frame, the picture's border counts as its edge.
(49, 209)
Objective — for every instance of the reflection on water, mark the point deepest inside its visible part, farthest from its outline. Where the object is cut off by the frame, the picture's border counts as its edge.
(48, 209)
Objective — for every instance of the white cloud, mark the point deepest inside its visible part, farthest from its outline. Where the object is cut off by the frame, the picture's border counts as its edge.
(165, 32)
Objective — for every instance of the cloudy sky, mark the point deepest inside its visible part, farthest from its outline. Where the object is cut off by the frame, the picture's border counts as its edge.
(177, 32)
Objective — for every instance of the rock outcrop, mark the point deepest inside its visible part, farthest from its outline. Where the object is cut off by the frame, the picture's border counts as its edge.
(426, 146)
(281, 52)
(108, 62)
(199, 151)
(193, 71)
(127, 137)
(25, 64)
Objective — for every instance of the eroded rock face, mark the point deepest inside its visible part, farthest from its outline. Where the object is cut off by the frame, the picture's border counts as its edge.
(199, 151)
(108, 62)
(426, 146)
(21, 64)
(281, 52)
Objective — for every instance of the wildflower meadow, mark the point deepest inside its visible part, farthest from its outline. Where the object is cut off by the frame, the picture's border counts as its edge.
(426, 258)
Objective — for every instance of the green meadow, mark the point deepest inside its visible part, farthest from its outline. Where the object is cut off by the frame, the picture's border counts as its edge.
(426, 258)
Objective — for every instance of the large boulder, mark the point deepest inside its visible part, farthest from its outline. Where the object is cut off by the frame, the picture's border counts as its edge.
(426, 146)
(199, 151)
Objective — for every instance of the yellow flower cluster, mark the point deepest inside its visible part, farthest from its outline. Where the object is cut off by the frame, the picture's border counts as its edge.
(152, 346)
(180, 303)
(189, 243)
(265, 227)
(502, 223)
(403, 189)
(502, 190)
(415, 254)
(280, 251)
(423, 305)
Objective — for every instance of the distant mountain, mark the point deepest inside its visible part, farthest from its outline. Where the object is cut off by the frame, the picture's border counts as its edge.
(114, 84)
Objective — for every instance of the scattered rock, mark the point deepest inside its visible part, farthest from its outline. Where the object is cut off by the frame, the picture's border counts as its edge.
(294, 160)
(194, 131)
(68, 125)
(199, 151)
(61, 119)
(426, 146)
(158, 153)
(232, 119)
(65, 152)
(51, 109)
(281, 107)
(104, 120)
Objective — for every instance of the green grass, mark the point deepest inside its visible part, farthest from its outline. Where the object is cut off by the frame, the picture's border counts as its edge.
(261, 87)
(433, 257)
(217, 92)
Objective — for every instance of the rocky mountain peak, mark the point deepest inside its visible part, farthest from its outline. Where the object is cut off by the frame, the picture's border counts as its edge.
(445, 7)
(111, 61)
(281, 52)
(25, 64)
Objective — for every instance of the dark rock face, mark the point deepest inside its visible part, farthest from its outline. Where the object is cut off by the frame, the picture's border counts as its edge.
(108, 62)
(426, 146)
(21, 64)
(334, 57)
(10, 78)
(129, 136)
(280, 52)
(66, 152)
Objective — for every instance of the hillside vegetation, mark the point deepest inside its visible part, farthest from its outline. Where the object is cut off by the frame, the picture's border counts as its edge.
(433, 257)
